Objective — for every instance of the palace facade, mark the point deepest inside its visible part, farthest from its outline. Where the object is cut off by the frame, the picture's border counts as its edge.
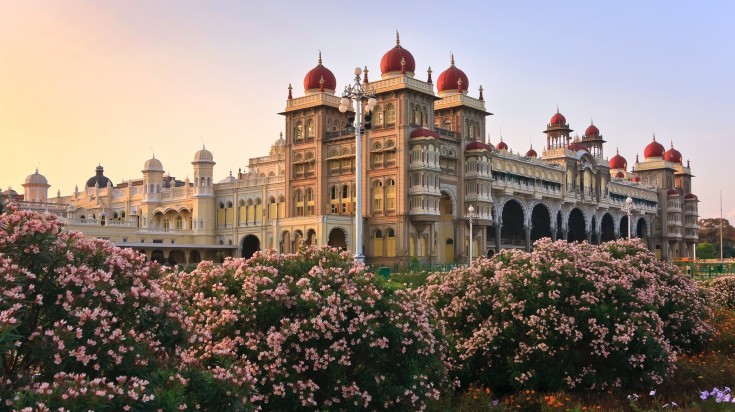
(425, 161)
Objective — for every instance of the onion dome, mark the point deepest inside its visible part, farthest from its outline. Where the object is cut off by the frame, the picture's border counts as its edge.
(10, 193)
(673, 192)
(99, 178)
(531, 152)
(690, 196)
(619, 175)
(636, 179)
(654, 149)
(203, 156)
(576, 146)
(424, 132)
(618, 162)
(502, 145)
(320, 79)
(153, 165)
(477, 145)
(672, 155)
(591, 131)
(397, 61)
(452, 80)
(558, 119)
(36, 179)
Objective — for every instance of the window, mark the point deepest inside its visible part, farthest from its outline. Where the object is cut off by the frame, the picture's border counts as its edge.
(298, 132)
(179, 223)
(299, 197)
(309, 202)
(377, 160)
(390, 195)
(378, 243)
(378, 197)
(390, 115)
(346, 203)
(377, 116)
(390, 244)
(310, 128)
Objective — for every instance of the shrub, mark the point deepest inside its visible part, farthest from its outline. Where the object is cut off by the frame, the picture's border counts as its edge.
(722, 292)
(567, 316)
(312, 331)
(86, 325)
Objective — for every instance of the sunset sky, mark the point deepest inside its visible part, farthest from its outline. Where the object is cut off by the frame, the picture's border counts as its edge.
(112, 82)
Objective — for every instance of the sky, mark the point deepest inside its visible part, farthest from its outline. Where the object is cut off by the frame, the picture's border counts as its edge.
(104, 82)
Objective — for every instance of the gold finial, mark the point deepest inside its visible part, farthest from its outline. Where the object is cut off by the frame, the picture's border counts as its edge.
(481, 97)
(452, 58)
(592, 122)
(290, 95)
(320, 57)
(398, 39)
(672, 144)
(557, 108)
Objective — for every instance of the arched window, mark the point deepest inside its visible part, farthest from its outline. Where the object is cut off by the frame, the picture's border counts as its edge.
(390, 243)
(281, 206)
(179, 222)
(310, 128)
(378, 243)
(299, 206)
(378, 116)
(272, 208)
(377, 196)
(298, 131)
(390, 194)
(221, 214)
(390, 115)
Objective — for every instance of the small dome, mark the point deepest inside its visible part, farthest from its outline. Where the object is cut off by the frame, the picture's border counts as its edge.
(672, 155)
(99, 178)
(531, 153)
(636, 179)
(591, 131)
(690, 196)
(320, 78)
(203, 155)
(36, 179)
(576, 146)
(502, 145)
(449, 79)
(558, 119)
(228, 179)
(654, 149)
(673, 192)
(477, 145)
(423, 132)
(618, 162)
(10, 192)
(619, 175)
(153, 165)
(397, 60)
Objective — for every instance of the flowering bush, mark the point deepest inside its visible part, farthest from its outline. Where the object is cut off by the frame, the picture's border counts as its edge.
(311, 331)
(722, 292)
(567, 316)
(84, 324)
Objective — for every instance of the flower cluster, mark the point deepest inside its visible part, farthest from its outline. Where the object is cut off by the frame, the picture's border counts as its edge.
(312, 330)
(83, 322)
(722, 291)
(567, 316)
(718, 395)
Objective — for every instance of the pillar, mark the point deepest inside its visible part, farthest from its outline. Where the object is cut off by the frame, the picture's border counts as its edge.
(498, 228)
(527, 231)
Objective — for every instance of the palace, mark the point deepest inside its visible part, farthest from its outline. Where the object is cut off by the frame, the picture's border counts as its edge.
(425, 161)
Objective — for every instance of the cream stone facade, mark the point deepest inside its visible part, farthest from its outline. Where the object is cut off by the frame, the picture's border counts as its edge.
(425, 161)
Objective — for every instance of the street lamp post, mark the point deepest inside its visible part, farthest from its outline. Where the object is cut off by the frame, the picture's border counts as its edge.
(629, 210)
(470, 216)
(355, 91)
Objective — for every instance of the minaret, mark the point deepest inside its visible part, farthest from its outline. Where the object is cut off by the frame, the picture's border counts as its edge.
(557, 132)
(36, 188)
(152, 180)
(203, 173)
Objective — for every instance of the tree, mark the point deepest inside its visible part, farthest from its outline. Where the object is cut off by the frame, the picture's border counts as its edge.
(709, 232)
(706, 250)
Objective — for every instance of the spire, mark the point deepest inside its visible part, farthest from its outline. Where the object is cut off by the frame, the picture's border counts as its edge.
(557, 108)
(365, 75)
(429, 79)
(654, 136)
(452, 58)
(320, 57)
(592, 122)
(398, 40)
(481, 98)
(617, 150)
(672, 144)
(636, 158)
(290, 95)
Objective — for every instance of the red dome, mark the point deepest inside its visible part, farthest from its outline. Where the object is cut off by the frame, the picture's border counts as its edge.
(654, 149)
(619, 175)
(673, 192)
(618, 162)
(477, 146)
(531, 153)
(577, 146)
(422, 132)
(690, 196)
(501, 145)
(636, 179)
(391, 61)
(558, 119)
(592, 131)
(313, 79)
(449, 78)
(672, 155)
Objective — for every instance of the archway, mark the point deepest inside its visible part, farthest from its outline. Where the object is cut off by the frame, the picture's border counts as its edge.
(593, 229)
(511, 231)
(195, 257)
(445, 228)
(642, 229)
(176, 257)
(298, 240)
(250, 245)
(540, 223)
(577, 232)
(607, 228)
(310, 237)
(337, 238)
(624, 227)
(157, 256)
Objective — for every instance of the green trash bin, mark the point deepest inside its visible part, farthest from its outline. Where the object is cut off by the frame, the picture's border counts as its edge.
(384, 271)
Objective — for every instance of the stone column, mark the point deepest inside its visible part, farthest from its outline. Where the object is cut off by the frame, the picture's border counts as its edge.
(527, 230)
(498, 228)
(589, 236)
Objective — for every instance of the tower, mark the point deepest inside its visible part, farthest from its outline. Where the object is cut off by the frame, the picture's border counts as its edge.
(36, 188)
